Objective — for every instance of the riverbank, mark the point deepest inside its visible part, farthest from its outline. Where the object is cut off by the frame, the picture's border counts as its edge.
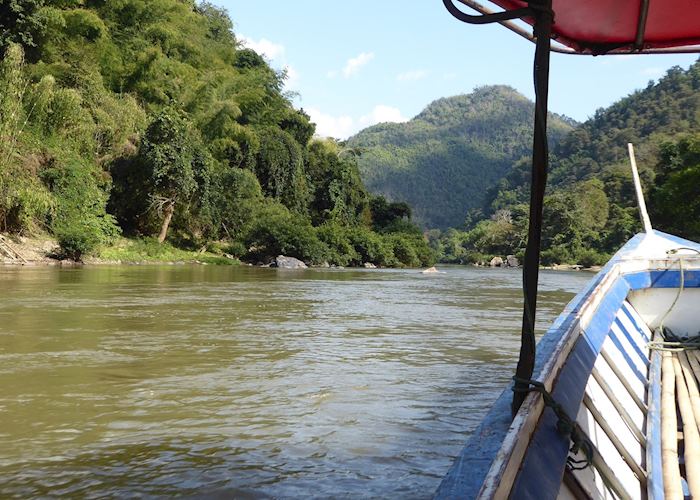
(44, 250)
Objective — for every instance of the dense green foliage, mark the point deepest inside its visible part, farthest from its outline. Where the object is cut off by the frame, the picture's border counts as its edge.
(590, 209)
(147, 117)
(444, 160)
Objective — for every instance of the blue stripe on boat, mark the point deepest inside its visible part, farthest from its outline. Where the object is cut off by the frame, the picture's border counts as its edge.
(467, 474)
(543, 466)
(616, 342)
(628, 335)
(626, 307)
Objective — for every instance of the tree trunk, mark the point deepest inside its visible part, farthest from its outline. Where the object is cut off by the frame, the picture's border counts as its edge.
(169, 209)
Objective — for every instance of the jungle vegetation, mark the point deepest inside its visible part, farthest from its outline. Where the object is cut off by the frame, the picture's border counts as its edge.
(590, 207)
(443, 161)
(148, 119)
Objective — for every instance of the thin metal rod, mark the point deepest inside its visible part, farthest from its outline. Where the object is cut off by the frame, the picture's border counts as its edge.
(519, 30)
(494, 17)
(641, 24)
(540, 163)
(563, 49)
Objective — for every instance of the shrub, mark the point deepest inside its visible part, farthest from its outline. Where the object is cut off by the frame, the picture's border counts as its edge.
(555, 255)
(590, 258)
(340, 249)
(371, 247)
(75, 239)
(276, 231)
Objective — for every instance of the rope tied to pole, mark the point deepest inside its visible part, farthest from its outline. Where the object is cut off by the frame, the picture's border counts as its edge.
(566, 426)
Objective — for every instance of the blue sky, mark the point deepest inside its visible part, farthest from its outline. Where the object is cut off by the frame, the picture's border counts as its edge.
(357, 63)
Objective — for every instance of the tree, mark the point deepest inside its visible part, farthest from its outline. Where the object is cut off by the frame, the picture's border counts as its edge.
(167, 155)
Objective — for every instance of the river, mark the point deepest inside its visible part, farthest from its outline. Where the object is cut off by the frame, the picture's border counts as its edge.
(243, 382)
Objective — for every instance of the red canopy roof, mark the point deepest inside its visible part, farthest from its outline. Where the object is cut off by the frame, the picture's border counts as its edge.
(605, 26)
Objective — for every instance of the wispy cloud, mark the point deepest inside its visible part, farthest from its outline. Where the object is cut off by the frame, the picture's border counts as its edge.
(343, 126)
(409, 76)
(265, 47)
(274, 52)
(353, 65)
(381, 114)
(340, 127)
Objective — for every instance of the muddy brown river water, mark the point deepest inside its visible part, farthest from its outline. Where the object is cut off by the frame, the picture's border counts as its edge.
(239, 382)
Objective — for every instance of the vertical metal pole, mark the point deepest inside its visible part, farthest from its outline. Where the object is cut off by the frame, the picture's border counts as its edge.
(540, 162)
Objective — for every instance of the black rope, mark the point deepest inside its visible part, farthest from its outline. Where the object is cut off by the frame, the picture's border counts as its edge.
(541, 11)
(533, 10)
(566, 426)
(540, 164)
(496, 17)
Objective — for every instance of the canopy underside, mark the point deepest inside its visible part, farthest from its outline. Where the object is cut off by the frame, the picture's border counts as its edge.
(619, 26)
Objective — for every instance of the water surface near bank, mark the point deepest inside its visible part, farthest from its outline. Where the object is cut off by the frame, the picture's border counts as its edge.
(249, 382)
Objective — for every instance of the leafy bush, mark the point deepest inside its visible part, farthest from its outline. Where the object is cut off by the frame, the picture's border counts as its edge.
(555, 255)
(371, 247)
(590, 258)
(277, 231)
(340, 249)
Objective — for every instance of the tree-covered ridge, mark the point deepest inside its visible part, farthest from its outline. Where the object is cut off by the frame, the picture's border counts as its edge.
(147, 117)
(591, 209)
(444, 160)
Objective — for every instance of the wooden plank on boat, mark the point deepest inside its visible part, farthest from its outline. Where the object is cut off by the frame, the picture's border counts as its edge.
(695, 366)
(622, 411)
(615, 440)
(635, 393)
(609, 477)
(669, 427)
(691, 439)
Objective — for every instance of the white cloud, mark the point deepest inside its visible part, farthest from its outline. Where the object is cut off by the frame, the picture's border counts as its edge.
(354, 64)
(293, 76)
(408, 76)
(382, 113)
(340, 127)
(265, 47)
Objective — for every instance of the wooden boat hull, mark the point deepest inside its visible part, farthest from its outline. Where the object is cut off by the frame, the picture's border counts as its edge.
(596, 363)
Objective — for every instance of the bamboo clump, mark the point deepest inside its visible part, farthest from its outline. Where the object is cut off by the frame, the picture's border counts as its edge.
(680, 378)
(691, 438)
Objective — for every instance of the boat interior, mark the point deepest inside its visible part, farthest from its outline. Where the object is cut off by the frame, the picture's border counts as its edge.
(618, 410)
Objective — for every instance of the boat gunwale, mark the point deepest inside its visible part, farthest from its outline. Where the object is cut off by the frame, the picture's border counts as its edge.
(501, 477)
(493, 479)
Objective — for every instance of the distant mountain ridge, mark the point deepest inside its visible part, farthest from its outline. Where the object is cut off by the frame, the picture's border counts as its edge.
(443, 161)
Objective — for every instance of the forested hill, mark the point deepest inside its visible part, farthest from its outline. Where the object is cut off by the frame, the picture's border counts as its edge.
(443, 161)
(646, 118)
(149, 118)
(590, 209)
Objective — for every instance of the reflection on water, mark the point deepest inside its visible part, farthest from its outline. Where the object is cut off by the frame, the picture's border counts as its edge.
(246, 382)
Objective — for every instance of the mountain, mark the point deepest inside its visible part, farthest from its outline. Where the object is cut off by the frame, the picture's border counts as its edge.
(443, 161)
(590, 207)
